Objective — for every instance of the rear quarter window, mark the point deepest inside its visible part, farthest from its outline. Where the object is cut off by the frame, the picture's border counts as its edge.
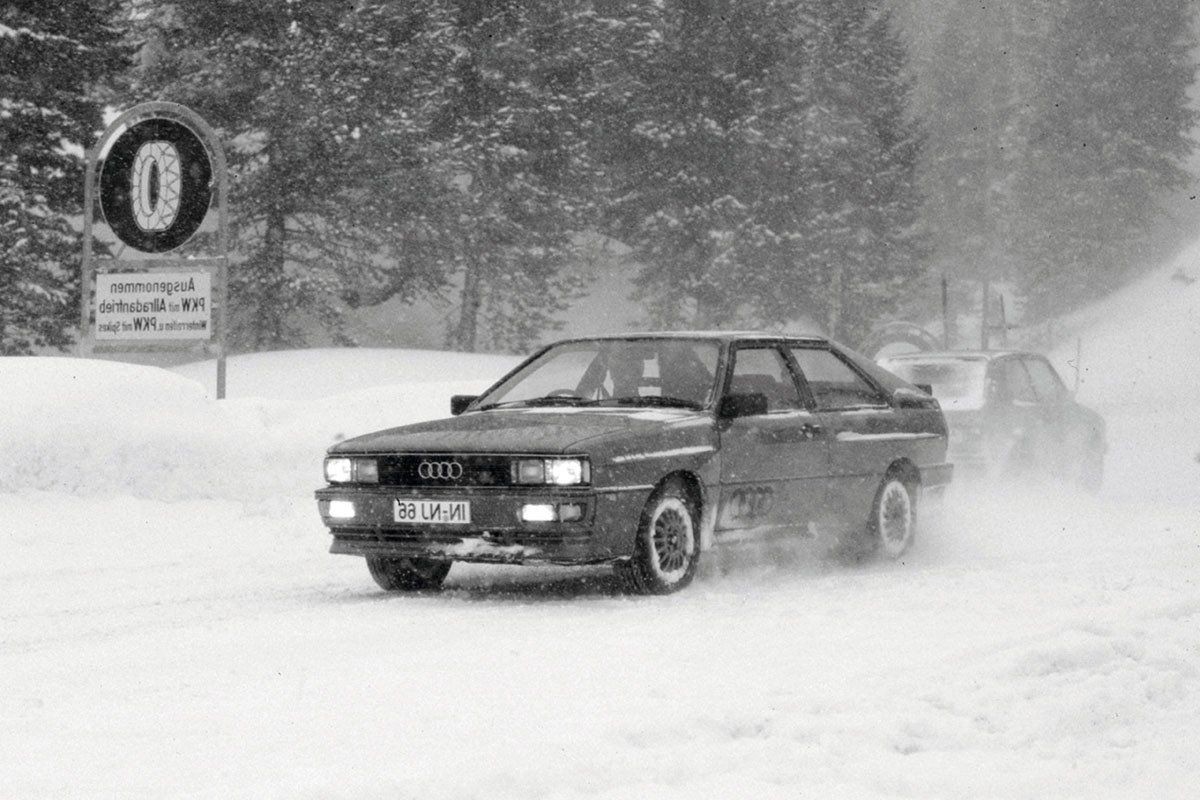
(833, 383)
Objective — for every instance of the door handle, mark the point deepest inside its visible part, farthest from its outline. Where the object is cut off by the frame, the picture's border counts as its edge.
(810, 430)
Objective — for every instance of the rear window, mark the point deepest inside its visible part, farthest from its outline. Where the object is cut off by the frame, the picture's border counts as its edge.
(956, 383)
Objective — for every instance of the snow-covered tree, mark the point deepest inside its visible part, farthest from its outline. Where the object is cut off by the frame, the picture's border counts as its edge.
(384, 149)
(514, 129)
(1110, 130)
(976, 124)
(323, 107)
(52, 56)
(765, 171)
(1054, 130)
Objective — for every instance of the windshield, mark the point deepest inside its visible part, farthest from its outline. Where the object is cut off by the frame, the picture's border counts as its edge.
(956, 382)
(658, 372)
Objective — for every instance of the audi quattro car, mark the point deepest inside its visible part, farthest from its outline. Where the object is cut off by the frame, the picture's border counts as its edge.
(1010, 415)
(642, 451)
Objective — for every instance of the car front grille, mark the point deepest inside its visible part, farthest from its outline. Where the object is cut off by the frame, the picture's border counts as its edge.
(441, 470)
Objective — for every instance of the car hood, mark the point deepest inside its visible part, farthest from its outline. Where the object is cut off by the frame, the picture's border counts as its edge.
(520, 430)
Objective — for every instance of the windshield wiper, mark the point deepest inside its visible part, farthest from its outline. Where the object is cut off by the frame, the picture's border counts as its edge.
(657, 400)
(551, 400)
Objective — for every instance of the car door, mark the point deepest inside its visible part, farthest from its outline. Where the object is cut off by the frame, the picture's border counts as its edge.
(1063, 435)
(772, 464)
(861, 430)
(1013, 422)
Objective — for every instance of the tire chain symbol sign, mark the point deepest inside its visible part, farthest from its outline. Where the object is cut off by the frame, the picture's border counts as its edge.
(156, 185)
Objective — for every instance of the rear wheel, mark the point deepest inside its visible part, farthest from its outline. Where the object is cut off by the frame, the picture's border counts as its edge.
(407, 574)
(667, 549)
(893, 518)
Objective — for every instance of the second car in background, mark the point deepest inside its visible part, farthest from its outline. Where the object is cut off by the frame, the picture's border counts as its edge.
(1009, 414)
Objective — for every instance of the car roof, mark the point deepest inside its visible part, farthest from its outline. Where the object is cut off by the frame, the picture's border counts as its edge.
(724, 336)
(959, 355)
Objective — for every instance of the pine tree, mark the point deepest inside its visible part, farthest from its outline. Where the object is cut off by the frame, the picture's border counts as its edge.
(685, 147)
(975, 123)
(384, 149)
(52, 56)
(856, 254)
(323, 107)
(1054, 130)
(1109, 133)
(767, 172)
(513, 131)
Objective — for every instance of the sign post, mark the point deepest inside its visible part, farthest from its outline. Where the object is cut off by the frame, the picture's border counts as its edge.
(160, 168)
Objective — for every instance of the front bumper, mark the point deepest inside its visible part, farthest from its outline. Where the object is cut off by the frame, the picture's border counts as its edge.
(496, 533)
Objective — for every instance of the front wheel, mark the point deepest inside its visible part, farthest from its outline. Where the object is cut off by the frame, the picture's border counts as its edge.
(893, 518)
(667, 549)
(407, 574)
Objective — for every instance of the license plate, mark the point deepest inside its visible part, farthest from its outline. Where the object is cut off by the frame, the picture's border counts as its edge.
(435, 512)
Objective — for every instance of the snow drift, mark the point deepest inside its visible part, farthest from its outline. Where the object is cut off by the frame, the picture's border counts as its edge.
(105, 428)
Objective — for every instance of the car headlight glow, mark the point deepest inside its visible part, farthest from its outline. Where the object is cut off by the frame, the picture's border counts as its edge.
(348, 470)
(339, 470)
(556, 471)
(564, 471)
(538, 512)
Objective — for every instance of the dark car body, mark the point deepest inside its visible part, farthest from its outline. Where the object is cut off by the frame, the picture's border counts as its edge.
(770, 464)
(1009, 413)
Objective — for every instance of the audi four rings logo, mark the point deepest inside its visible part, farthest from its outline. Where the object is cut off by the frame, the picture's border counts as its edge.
(440, 470)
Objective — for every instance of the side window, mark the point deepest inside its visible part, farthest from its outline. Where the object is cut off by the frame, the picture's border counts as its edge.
(763, 370)
(1016, 381)
(832, 382)
(1046, 382)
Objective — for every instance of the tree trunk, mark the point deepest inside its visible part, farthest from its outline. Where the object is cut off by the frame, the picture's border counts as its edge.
(833, 321)
(466, 333)
(710, 308)
(272, 312)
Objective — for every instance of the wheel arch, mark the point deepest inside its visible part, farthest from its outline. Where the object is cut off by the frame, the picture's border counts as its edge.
(907, 471)
(699, 496)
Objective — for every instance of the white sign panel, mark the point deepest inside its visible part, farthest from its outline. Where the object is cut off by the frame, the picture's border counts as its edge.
(153, 305)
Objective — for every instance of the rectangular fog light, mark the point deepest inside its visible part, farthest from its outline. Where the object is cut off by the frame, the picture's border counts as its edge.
(538, 512)
(341, 509)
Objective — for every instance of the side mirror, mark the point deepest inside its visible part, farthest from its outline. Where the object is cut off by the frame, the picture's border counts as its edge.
(459, 403)
(907, 398)
(752, 404)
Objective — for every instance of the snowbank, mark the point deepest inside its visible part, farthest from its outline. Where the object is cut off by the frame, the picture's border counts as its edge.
(99, 427)
(323, 372)
(1140, 369)
(79, 426)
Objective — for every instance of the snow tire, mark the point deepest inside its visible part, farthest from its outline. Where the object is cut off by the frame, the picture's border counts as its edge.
(666, 550)
(407, 574)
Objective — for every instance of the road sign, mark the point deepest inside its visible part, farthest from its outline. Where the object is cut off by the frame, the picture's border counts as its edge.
(156, 185)
(161, 169)
(157, 305)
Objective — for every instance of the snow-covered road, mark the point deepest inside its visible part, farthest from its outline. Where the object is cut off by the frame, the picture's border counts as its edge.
(1031, 643)
(171, 625)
